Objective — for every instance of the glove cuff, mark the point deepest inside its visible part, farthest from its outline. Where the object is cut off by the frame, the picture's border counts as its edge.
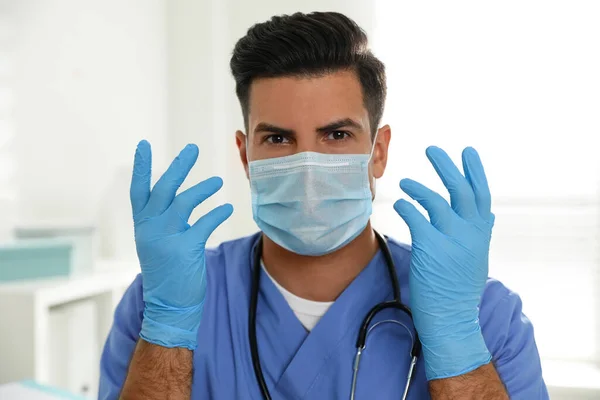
(455, 356)
(178, 328)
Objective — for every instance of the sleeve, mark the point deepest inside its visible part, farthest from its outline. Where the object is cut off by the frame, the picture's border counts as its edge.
(121, 342)
(508, 334)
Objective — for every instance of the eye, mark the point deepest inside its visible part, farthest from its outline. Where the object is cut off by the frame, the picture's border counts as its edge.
(276, 139)
(337, 135)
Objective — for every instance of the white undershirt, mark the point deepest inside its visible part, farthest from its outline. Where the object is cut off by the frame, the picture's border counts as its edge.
(308, 312)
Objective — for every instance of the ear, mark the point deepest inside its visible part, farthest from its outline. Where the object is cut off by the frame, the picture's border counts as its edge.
(240, 141)
(380, 151)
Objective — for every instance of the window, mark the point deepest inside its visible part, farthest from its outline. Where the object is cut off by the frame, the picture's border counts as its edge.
(519, 82)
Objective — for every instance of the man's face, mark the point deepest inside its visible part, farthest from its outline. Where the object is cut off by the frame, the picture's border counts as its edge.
(326, 114)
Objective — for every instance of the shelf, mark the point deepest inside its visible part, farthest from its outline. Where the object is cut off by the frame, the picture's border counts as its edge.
(55, 291)
(54, 329)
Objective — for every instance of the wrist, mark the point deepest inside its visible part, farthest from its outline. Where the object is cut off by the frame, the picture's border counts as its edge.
(171, 327)
(454, 354)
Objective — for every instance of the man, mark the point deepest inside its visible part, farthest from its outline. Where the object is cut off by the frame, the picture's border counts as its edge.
(199, 323)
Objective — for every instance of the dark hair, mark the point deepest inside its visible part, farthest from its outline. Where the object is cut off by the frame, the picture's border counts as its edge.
(307, 45)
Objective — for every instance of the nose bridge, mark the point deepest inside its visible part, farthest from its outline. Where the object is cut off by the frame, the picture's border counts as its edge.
(307, 140)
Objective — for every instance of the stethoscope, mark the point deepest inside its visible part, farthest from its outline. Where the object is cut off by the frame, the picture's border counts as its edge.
(364, 328)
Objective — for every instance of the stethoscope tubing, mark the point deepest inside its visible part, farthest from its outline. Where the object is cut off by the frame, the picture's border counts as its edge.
(364, 328)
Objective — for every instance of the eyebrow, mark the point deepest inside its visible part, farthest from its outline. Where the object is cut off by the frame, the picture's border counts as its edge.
(265, 127)
(341, 123)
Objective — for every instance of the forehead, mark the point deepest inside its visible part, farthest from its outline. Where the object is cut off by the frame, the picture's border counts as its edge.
(294, 101)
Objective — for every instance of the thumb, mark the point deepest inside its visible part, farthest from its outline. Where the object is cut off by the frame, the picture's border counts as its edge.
(205, 226)
(413, 218)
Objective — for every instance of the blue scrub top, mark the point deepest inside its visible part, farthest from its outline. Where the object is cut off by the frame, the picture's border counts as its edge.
(317, 365)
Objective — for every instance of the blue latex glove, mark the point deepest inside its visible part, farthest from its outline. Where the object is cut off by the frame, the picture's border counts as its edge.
(449, 264)
(171, 252)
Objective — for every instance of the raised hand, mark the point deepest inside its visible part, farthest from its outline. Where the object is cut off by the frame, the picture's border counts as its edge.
(170, 251)
(449, 263)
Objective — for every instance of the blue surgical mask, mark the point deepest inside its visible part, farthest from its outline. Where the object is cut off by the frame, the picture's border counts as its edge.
(311, 203)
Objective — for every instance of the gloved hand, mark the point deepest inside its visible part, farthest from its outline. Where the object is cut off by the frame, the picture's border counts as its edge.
(449, 264)
(171, 252)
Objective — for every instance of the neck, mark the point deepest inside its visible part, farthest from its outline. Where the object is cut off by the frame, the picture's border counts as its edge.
(321, 278)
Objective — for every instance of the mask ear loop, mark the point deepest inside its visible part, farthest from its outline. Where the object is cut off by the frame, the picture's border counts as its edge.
(246, 135)
(373, 180)
(373, 146)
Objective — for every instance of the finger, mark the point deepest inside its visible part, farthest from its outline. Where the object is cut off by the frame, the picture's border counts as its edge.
(139, 191)
(461, 194)
(436, 206)
(185, 202)
(414, 219)
(475, 175)
(164, 190)
(205, 226)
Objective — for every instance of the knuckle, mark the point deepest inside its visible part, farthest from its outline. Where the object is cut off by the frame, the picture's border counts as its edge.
(439, 202)
(485, 197)
(177, 203)
(462, 192)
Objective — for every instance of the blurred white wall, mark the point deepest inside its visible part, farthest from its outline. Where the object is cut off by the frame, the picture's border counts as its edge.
(90, 82)
(8, 198)
(95, 77)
